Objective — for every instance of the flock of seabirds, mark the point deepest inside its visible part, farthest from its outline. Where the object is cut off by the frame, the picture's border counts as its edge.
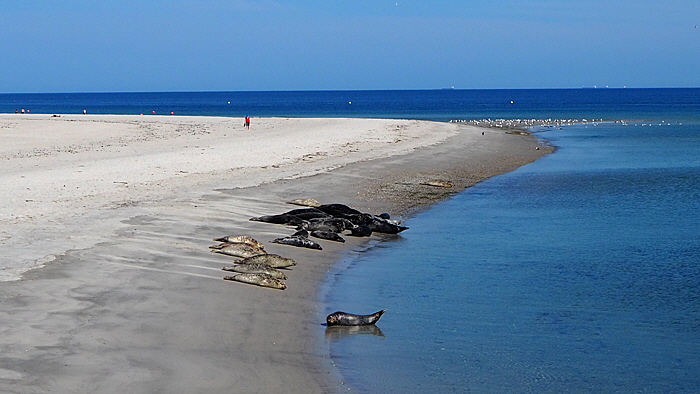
(316, 220)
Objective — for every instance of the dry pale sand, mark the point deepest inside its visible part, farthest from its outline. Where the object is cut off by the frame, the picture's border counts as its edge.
(120, 211)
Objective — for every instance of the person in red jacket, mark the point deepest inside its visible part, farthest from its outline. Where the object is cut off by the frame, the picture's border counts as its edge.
(247, 122)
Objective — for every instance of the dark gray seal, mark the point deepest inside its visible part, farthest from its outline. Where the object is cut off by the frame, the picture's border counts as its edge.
(338, 210)
(329, 235)
(335, 225)
(307, 213)
(299, 239)
(379, 225)
(290, 220)
(361, 231)
(348, 319)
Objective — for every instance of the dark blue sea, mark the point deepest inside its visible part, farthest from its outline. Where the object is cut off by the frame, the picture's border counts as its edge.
(578, 273)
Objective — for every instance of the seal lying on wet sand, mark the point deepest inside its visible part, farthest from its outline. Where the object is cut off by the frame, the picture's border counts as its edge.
(256, 268)
(273, 260)
(263, 280)
(284, 218)
(361, 231)
(307, 213)
(348, 319)
(307, 202)
(237, 250)
(243, 239)
(338, 210)
(335, 225)
(379, 225)
(300, 239)
(329, 235)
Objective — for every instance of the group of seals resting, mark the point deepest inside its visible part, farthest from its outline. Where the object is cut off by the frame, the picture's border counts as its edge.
(328, 222)
(257, 267)
(320, 221)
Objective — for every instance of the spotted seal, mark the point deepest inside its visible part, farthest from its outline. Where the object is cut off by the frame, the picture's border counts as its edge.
(307, 202)
(273, 260)
(237, 249)
(243, 239)
(263, 280)
(256, 268)
(336, 225)
(348, 319)
(298, 240)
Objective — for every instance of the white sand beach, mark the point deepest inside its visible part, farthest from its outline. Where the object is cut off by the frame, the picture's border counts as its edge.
(107, 282)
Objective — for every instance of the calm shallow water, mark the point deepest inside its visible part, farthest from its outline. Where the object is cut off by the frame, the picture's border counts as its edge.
(577, 273)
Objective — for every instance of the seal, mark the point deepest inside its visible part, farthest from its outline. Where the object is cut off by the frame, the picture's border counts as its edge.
(263, 280)
(362, 219)
(243, 239)
(305, 202)
(437, 183)
(307, 213)
(348, 319)
(273, 260)
(256, 268)
(336, 225)
(279, 219)
(237, 250)
(329, 235)
(379, 225)
(225, 244)
(298, 240)
(361, 231)
(338, 210)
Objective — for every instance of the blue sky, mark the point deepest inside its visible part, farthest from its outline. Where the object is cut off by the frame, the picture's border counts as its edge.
(217, 45)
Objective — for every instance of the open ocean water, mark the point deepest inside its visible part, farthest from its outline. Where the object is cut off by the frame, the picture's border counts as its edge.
(579, 273)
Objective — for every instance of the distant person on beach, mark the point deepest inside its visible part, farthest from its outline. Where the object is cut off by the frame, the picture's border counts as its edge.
(247, 122)
(22, 110)
(84, 112)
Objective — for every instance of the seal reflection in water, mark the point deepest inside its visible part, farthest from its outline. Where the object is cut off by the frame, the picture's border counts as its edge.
(348, 319)
(340, 332)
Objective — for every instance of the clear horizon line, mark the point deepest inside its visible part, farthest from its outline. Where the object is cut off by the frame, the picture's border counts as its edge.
(593, 87)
